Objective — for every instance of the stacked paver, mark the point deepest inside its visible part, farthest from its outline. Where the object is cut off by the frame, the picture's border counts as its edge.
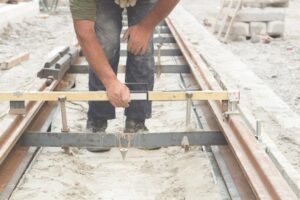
(260, 17)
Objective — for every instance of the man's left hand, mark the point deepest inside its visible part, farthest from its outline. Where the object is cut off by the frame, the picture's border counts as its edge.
(137, 37)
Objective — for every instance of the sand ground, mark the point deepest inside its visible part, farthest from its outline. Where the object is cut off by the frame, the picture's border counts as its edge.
(168, 173)
(164, 174)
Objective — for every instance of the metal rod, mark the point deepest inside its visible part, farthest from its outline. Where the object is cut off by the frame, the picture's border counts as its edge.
(65, 128)
(158, 67)
(189, 96)
(165, 68)
(258, 130)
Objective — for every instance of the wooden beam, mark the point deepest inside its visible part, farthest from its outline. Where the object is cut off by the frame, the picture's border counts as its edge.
(13, 61)
(181, 96)
(101, 95)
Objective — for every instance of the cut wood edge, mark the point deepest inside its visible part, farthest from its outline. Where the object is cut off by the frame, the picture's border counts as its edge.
(14, 61)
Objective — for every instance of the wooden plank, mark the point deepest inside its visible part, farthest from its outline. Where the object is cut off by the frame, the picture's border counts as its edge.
(14, 61)
(101, 95)
(181, 96)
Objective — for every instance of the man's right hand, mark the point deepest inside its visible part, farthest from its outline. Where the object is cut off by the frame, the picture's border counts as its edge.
(118, 94)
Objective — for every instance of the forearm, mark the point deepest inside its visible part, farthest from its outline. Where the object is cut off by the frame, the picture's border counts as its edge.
(94, 53)
(160, 10)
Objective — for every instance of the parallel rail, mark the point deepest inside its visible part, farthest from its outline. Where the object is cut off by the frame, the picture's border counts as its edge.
(261, 174)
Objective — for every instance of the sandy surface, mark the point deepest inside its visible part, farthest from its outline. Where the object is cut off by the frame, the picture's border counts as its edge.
(168, 173)
(38, 36)
(277, 63)
(164, 174)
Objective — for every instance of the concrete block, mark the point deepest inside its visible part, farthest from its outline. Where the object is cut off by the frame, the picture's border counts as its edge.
(276, 28)
(262, 3)
(259, 14)
(258, 28)
(241, 29)
(17, 12)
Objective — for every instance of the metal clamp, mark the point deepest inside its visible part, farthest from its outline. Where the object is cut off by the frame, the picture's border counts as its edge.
(229, 107)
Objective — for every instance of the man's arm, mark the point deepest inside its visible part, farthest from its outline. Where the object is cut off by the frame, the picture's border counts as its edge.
(138, 35)
(117, 92)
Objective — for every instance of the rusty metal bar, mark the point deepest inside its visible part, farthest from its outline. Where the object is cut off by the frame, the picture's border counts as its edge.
(265, 180)
(14, 125)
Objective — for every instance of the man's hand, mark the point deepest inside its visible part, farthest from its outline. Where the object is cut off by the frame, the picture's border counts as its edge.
(137, 37)
(118, 94)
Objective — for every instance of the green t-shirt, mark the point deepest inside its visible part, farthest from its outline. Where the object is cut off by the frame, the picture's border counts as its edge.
(83, 9)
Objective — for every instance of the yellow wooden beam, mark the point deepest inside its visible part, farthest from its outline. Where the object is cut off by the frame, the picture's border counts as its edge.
(181, 96)
(101, 96)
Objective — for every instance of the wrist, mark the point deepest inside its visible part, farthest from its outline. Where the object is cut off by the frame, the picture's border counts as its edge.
(147, 26)
(110, 83)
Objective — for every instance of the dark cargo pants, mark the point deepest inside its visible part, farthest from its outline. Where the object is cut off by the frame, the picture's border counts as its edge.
(139, 69)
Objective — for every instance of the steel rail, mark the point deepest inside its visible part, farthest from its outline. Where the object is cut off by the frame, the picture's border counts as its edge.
(19, 158)
(13, 126)
(264, 178)
(262, 175)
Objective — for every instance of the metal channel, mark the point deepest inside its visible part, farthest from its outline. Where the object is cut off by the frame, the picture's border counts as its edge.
(84, 69)
(149, 140)
(164, 52)
(168, 39)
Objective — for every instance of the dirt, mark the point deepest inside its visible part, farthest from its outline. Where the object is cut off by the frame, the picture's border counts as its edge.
(276, 63)
(167, 173)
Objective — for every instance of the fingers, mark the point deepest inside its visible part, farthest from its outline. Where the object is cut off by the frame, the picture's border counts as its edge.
(144, 49)
(120, 96)
(125, 97)
(134, 47)
(137, 44)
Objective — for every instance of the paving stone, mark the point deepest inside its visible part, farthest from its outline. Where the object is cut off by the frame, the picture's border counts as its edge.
(241, 29)
(276, 28)
(263, 3)
(258, 28)
(259, 14)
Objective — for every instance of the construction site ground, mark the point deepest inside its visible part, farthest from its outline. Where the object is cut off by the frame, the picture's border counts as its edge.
(167, 173)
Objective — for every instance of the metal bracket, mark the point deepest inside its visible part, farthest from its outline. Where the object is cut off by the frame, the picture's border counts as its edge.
(229, 107)
(17, 108)
(59, 64)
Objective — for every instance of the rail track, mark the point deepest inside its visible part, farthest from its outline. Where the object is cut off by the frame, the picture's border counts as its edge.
(239, 160)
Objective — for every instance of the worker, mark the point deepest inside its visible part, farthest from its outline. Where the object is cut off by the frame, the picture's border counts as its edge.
(98, 25)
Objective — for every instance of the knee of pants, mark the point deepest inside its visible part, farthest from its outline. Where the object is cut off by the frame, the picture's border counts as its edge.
(110, 45)
(94, 83)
